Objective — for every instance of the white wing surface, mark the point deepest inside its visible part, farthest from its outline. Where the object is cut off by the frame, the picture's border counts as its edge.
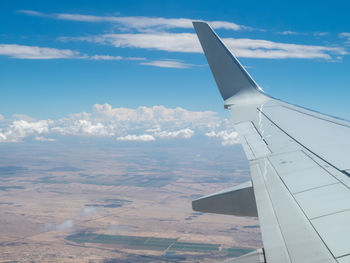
(300, 167)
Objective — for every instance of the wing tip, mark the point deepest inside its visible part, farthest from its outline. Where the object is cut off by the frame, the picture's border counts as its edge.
(200, 23)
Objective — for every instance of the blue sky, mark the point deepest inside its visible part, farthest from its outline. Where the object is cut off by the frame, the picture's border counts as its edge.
(62, 58)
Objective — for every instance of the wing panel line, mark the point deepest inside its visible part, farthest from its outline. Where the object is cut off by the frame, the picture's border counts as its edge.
(303, 145)
(301, 209)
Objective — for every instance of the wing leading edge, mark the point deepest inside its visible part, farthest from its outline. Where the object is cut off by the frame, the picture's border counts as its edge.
(299, 169)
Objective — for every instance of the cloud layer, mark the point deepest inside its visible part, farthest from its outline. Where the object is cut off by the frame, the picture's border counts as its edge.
(157, 33)
(139, 23)
(166, 64)
(143, 124)
(188, 43)
(36, 52)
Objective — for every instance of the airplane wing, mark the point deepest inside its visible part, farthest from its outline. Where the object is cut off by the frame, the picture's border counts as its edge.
(300, 167)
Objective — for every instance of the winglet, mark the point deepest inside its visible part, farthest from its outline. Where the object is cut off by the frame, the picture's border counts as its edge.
(231, 77)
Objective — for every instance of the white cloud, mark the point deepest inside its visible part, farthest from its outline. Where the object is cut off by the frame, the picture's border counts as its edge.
(344, 34)
(183, 133)
(188, 43)
(44, 139)
(135, 58)
(150, 117)
(152, 34)
(124, 124)
(19, 129)
(1, 117)
(172, 42)
(268, 49)
(140, 138)
(65, 225)
(158, 134)
(140, 23)
(288, 32)
(105, 57)
(35, 52)
(88, 210)
(226, 137)
(82, 127)
(320, 34)
(166, 64)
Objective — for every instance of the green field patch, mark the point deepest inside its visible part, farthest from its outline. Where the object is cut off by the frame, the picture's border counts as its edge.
(131, 242)
(170, 245)
(134, 180)
(194, 247)
(237, 252)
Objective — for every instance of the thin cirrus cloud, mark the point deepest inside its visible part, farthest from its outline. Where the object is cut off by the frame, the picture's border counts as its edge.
(346, 36)
(139, 23)
(188, 43)
(288, 32)
(36, 52)
(153, 33)
(143, 124)
(166, 63)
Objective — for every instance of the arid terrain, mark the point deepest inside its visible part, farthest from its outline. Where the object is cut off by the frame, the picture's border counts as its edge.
(78, 201)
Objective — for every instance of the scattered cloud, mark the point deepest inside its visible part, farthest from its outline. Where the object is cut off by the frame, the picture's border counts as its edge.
(65, 225)
(31, 13)
(166, 64)
(268, 49)
(345, 35)
(135, 58)
(19, 129)
(88, 210)
(320, 34)
(1, 117)
(155, 33)
(82, 127)
(183, 134)
(139, 23)
(140, 138)
(44, 139)
(226, 137)
(158, 134)
(105, 57)
(150, 117)
(288, 32)
(188, 43)
(35, 52)
(144, 124)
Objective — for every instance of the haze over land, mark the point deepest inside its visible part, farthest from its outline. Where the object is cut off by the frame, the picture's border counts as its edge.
(84, 199)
